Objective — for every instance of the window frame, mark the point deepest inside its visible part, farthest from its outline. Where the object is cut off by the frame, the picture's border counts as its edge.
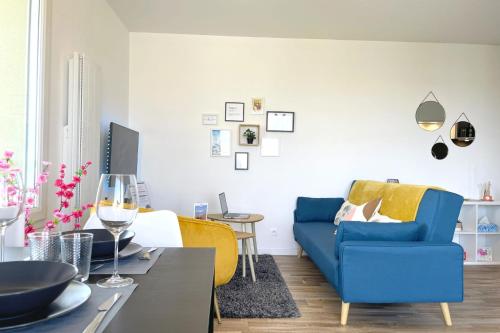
(35, 101)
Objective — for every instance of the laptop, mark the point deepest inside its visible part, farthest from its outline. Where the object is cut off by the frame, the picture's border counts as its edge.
(225, 211)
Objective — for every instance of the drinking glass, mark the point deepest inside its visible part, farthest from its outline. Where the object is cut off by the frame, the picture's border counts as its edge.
(76, 249)
(45, 246)
(11, 202)
(116, 206)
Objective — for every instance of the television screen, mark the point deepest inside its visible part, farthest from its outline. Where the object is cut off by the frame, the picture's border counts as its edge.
(123, 147)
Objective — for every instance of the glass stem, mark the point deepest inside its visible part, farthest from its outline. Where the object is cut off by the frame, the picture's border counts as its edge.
(115, 269)
(2, 243)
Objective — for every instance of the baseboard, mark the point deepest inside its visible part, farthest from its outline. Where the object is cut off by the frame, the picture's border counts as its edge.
(280, 251)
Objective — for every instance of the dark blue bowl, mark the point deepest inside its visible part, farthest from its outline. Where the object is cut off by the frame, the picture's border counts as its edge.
(29, 286)
(103, 245)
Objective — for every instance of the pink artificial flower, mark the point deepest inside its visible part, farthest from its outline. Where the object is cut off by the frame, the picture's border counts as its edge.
(63, 166)
(59, 215)
(76, 179)
(58, 182)
(60, 193)
(49, 225)
(77, 214)
(66, 218)
(42, 179)
(8, 154)
(78, 226)
(29, 229)
(30, 201)
(4, 165)
(68, 194)
(65, 204)
(71, 186)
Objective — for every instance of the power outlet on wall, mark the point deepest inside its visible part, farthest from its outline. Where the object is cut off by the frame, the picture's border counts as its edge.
(274, 232)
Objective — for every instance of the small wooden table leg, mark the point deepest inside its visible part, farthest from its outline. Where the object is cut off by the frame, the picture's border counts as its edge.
(250, 261)
(256, 253)
(243, 253)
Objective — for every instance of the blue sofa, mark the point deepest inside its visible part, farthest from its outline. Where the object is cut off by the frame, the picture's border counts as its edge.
(386, 262)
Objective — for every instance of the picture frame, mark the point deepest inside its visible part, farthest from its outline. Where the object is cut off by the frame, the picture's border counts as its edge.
(200, 210)
(235, 111)
(241, 160)
(209, 119)
(245, 136)
(280, 121)
(220, 142)
(257, 106)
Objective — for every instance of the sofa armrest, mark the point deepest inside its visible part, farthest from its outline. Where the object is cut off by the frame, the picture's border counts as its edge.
(373, 231)
(316, 209)
(400, 272)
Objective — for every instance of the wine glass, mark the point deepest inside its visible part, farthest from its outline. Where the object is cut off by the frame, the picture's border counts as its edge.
(116, 206)
(11, 202)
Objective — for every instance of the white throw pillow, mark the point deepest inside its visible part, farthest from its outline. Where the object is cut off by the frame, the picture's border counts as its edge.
(383, 219)
(351, 212)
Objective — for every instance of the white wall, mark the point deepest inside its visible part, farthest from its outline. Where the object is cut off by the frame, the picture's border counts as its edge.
(355, 108)
(90, 27)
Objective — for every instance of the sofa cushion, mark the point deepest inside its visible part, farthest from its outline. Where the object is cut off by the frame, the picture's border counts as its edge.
(360, 231)
(352, 212)
(317, 209)
(318, 240)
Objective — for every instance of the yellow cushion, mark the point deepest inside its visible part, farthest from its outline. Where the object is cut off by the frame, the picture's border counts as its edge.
(399, 201)
(199, 233)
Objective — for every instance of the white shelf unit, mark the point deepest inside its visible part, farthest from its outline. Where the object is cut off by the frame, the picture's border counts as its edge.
(470, 239)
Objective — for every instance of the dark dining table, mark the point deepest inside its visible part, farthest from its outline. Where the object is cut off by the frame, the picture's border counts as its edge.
(176, 295)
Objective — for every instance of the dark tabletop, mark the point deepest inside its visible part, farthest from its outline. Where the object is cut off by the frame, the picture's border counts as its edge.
(174, 296)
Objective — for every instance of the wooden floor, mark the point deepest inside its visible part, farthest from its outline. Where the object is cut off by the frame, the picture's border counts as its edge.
(320, 307)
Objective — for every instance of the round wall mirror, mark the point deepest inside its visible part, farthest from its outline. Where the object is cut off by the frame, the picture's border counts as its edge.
(462, 133)
(430, 115)
(439, 150)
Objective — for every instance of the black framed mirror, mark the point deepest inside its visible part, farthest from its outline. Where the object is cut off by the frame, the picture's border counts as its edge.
(439, 149)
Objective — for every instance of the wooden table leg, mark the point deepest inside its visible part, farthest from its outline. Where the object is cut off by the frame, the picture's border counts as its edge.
(243, 253)
(250, 260)
(256, 253)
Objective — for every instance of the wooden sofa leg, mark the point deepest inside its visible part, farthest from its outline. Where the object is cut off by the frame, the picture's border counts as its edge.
(300, 251)
(344, 313)
(217, 311)
(446, 314)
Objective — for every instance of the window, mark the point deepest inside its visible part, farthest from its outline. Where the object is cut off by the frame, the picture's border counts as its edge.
(21, 84)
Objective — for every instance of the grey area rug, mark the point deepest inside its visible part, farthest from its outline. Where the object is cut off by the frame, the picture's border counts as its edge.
(268, 297)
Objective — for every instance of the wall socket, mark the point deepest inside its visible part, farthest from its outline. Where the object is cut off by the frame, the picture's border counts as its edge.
(274, 232)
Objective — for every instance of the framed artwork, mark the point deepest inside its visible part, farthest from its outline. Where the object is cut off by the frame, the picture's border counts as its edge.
(249, 135)
(209, 119)
(270, 147)
(240, 161)
(220, 142)
(200, 210)
(257, 106)
(280, 121)
(235, 111)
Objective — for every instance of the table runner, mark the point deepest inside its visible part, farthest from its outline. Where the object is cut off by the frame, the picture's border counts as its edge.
(129, 266)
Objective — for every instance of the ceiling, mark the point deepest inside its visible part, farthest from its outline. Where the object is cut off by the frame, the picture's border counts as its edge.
(446, 21)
